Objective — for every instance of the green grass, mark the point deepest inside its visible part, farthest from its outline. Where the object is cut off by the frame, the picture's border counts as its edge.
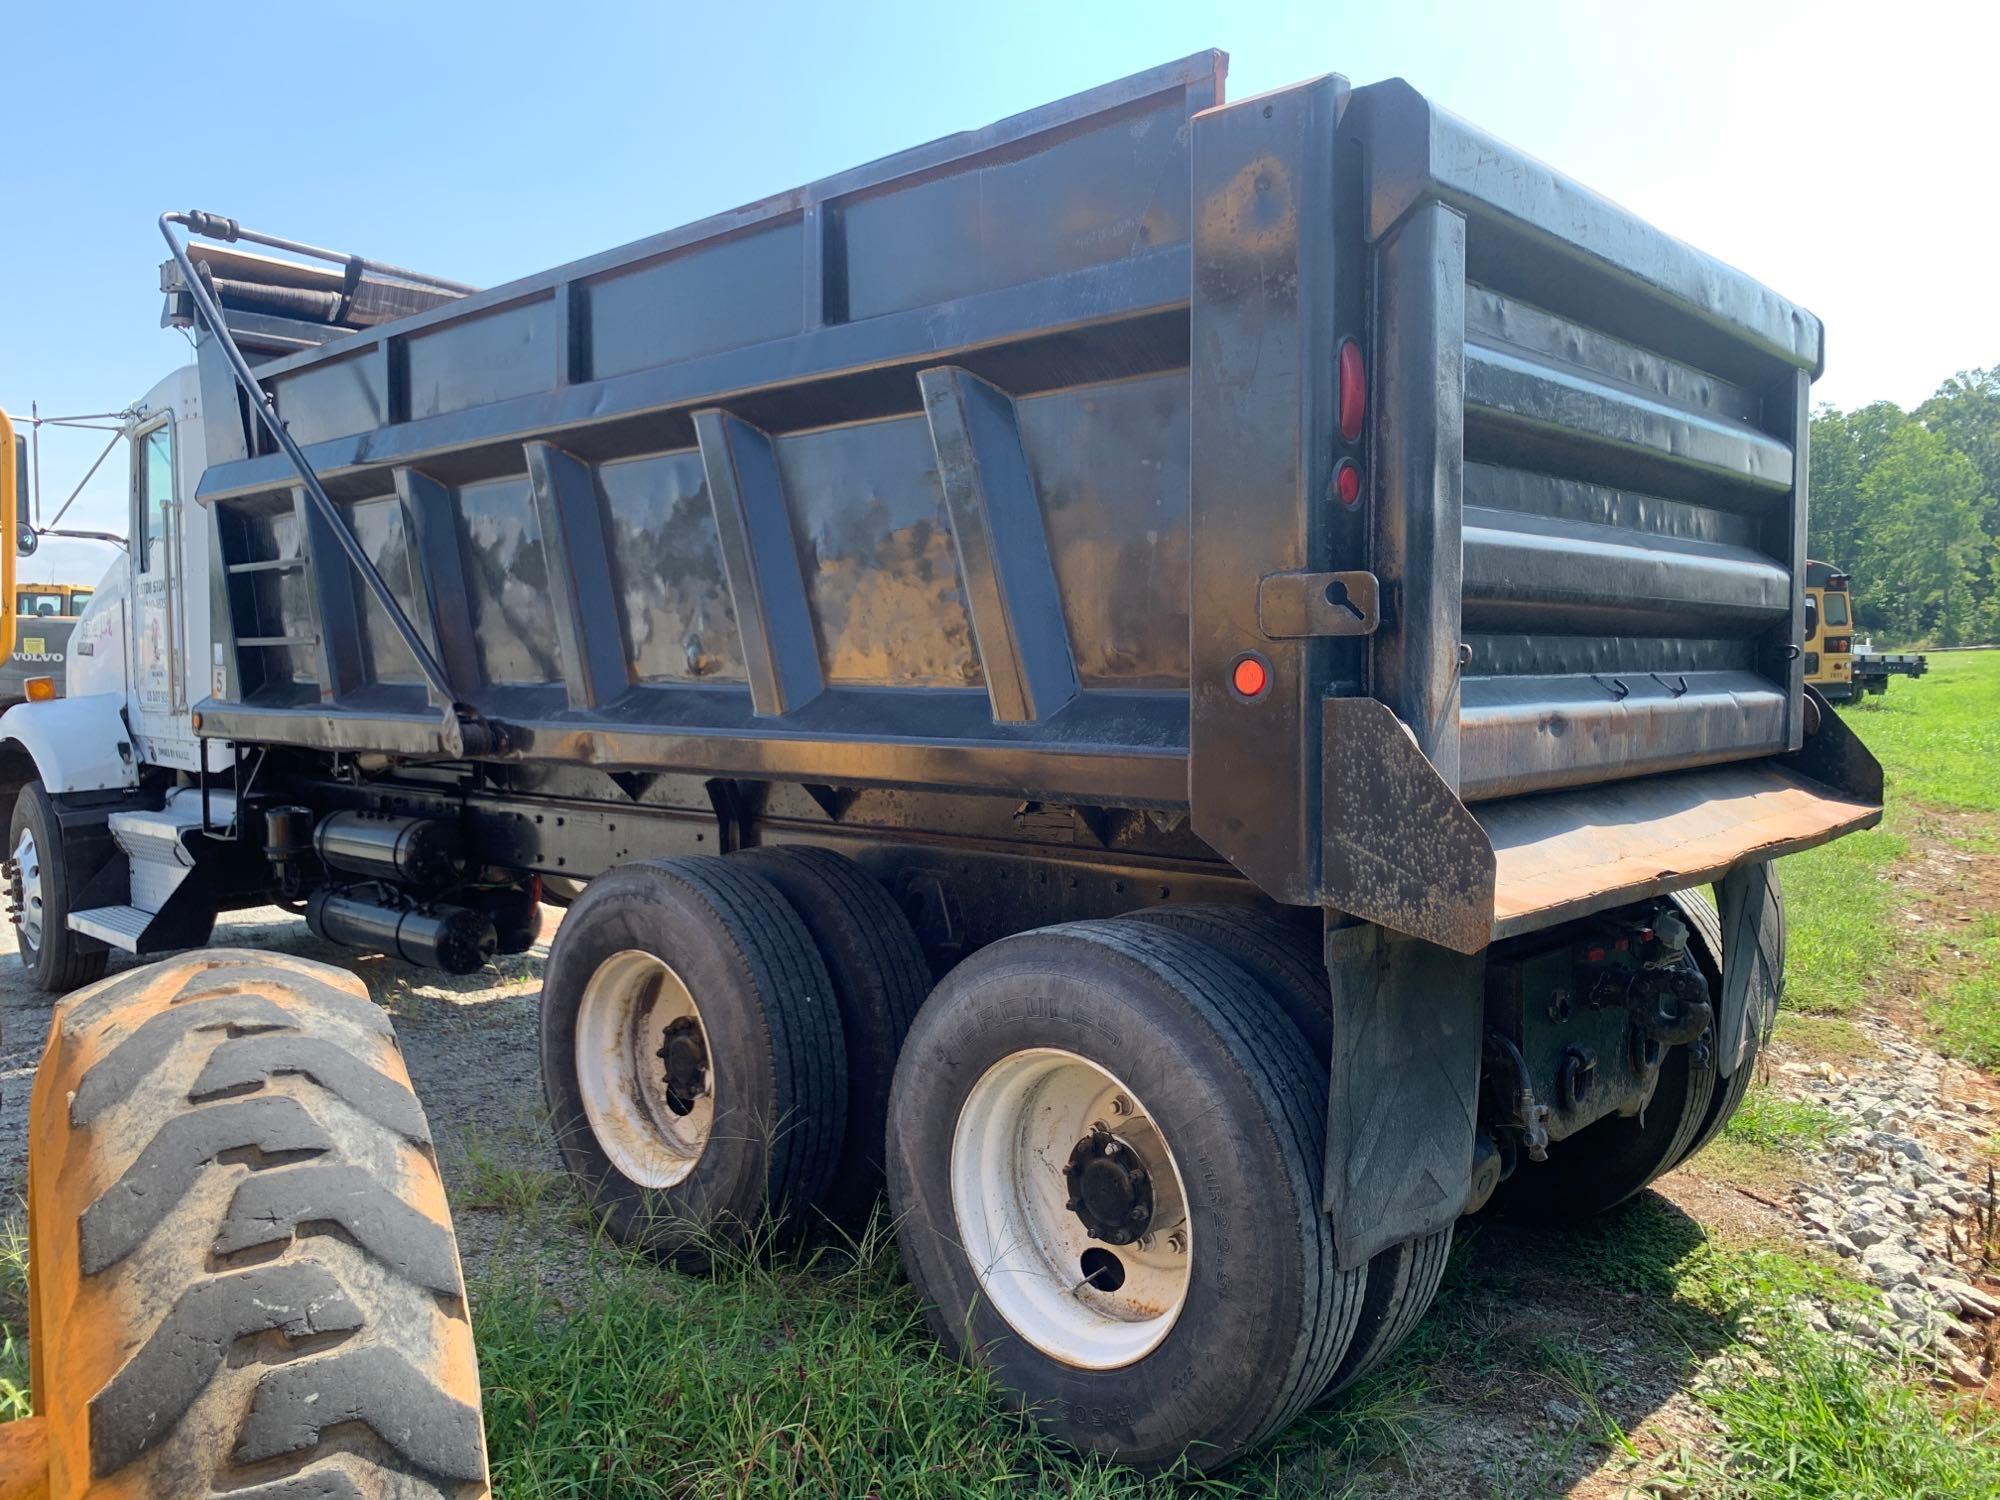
(14, 1400)
(1966, 1013)
(1938, 738)
(1841, 912)
(1832, 1038)
(1805, 1418)
(1769, 1120)
(772, 1378)
(1939, 743)
(1802, 1415)
(1764, 1140)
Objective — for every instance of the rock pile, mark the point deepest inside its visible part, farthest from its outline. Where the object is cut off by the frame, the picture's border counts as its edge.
(1906, 1195)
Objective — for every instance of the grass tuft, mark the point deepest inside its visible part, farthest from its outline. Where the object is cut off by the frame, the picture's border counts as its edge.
(1772, 1122)
(1806, 1418)
(14, 1394)
(1965, 1014)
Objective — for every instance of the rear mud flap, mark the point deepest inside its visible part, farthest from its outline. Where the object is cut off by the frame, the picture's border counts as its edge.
(1753, 963)
(1407, 1017)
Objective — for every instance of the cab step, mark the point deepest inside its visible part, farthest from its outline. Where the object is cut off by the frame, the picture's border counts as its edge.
(120, 927)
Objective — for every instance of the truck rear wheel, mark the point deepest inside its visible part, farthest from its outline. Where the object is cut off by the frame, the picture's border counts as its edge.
(1605, 1163)
(880, 978)
(692, 1057)
(1105, 1162)
(245, 1279)
(39, 884)
(1403, 1279)
(1706, 925)
(1286, 961)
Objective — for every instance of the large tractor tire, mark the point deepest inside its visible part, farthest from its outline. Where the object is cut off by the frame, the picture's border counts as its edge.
(39, 886)
(692, 1057)
(1105, 1162)
(244, 1279)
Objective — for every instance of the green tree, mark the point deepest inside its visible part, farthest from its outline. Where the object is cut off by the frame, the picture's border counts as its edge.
(1966, 413)
(1845, 448)
(1924, 546)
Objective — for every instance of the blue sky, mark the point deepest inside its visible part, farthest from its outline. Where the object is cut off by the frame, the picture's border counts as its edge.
(1842, 154)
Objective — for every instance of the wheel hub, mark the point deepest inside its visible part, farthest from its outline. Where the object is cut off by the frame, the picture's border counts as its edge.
(686, 1055)
(28, 888)
(1110, 1190)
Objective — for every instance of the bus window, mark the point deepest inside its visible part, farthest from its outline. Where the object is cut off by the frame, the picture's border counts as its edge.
(1836, 609)
(1812, 614)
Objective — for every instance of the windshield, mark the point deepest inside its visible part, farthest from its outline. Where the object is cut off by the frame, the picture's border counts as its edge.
(1836, 609)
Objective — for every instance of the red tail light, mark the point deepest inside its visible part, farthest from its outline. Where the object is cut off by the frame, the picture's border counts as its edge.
(1353, 391)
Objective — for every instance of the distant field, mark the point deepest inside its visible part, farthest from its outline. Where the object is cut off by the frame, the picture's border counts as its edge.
(1938, 739)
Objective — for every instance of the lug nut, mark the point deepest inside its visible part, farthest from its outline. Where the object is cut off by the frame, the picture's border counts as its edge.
(1120, 1105)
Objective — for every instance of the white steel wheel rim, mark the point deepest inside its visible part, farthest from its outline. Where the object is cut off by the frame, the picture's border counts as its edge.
(653, 1134)
(1016, 1132)
(28, 870)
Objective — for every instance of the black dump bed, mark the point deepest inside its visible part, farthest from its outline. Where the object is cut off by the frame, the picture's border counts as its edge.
(987, 466)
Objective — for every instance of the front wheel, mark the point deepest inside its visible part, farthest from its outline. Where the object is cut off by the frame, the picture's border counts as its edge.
(1105, 1160)
(40, 884)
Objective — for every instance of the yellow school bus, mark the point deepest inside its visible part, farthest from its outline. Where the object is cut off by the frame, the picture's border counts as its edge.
(1829, 640)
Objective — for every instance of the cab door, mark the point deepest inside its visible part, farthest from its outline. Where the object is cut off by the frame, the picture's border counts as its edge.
(158, 696)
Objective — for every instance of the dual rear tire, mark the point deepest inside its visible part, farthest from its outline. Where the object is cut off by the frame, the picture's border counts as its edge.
(1106, 1155)
(1104, 1141)
(717, 1038)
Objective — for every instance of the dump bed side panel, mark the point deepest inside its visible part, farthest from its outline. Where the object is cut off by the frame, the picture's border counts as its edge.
(881, 480)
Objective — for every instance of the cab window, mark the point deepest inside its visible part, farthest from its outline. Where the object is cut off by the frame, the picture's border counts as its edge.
(1836, 609)
(79, 600)
(154, 492)
(45, 603)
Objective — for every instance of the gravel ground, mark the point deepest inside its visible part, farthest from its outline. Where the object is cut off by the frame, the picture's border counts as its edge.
(1907, 1182)
(470, 1044)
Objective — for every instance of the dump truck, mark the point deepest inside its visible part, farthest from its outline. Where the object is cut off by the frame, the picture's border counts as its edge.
(1193, 689)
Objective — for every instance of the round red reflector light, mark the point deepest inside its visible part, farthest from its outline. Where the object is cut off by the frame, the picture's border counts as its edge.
(1250, 676)
(1353, 391)
(1347, 482)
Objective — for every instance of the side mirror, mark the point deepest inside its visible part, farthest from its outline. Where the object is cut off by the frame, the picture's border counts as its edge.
(26, 539)
(13, 508)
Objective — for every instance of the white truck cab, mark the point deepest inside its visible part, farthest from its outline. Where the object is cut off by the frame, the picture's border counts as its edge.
(118, 757)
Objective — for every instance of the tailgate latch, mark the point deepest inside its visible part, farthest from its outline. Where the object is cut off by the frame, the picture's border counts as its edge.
(1297, 606)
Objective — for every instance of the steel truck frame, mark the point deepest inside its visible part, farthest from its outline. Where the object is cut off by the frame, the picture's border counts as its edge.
(1278, 607)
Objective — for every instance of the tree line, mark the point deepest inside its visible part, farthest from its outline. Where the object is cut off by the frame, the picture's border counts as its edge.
(1908, 503)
